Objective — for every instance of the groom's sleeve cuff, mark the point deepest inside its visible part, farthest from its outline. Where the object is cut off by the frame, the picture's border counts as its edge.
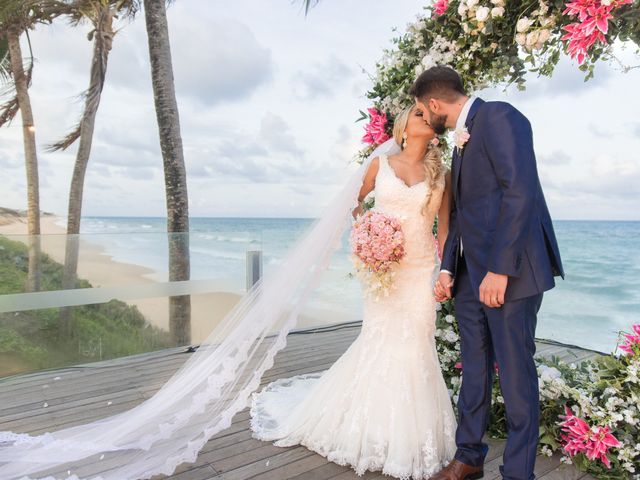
(446, 271)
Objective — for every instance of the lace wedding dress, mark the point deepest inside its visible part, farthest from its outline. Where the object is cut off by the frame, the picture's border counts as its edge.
(383, 405)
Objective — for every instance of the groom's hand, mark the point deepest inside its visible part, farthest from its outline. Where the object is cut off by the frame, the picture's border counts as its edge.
(492, 289)
(442, 290)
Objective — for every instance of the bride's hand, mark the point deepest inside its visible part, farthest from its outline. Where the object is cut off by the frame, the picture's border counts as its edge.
(442, 290)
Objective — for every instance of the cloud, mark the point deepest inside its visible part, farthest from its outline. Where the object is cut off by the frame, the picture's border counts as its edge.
(322, 80)
(557, 157)
(214, 60)
(276, 134)
(566, 79)
(217, 61)
(605, 177)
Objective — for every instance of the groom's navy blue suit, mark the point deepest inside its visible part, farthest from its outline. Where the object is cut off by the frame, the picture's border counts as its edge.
(499, 223)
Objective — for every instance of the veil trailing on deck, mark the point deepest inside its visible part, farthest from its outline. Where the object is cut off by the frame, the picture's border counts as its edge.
(202, 397)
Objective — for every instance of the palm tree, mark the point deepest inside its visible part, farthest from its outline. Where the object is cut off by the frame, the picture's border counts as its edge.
(100, 14)
(175, 175)
(16, 18)
(308, 5)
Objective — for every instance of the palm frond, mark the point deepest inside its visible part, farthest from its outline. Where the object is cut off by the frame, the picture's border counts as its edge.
(5, 62)
(9, 110)
(80, 11)
(66, 142)
(308, 5)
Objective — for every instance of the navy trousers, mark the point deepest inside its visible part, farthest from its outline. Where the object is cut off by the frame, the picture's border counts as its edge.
(505, 335)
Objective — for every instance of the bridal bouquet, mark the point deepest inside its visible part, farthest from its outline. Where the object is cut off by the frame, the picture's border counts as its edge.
(377, 243)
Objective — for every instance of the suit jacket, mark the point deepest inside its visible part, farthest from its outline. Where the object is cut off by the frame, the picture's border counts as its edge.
(499, 210)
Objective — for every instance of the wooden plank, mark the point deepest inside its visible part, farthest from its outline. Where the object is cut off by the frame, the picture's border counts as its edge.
(263, 461)
(83, 393)
(324, 472)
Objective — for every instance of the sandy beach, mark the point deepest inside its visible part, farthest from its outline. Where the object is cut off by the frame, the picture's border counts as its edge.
(100, 269)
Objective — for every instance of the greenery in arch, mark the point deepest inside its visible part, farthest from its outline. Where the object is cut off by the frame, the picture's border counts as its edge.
(497, 43)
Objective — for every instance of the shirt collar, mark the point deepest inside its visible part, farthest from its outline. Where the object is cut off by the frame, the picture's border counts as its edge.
(464, 113)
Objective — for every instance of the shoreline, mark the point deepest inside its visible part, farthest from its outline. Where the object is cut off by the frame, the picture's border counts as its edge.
(100, 269)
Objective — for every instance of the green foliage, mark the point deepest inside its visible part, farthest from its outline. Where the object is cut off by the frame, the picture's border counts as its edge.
(31, 340)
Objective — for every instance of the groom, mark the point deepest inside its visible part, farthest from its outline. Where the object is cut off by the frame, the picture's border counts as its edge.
(500, 256)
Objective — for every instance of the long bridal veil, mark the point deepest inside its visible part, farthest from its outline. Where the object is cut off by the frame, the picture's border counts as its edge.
(202, 397)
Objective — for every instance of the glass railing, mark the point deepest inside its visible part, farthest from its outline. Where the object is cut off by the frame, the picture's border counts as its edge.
(117, 303)
(72, 299)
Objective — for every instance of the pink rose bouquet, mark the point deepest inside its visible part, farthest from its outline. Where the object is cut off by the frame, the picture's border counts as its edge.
(377, 244)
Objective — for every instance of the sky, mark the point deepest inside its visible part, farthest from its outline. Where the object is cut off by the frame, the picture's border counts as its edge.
(268, 100)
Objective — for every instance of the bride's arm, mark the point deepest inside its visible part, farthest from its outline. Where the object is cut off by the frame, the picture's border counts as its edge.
(368, 185)
(444, 212)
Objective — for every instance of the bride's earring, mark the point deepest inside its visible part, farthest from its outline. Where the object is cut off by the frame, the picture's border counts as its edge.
(404, 141)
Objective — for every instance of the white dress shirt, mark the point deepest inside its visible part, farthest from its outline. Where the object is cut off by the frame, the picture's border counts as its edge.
(460, 124)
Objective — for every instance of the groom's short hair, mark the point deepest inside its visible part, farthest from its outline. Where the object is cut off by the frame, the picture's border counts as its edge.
(438, 82)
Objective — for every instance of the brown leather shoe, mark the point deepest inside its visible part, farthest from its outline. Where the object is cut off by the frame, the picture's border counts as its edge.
(457, 470)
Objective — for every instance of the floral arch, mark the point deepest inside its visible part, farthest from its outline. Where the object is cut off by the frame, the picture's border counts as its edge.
(590, 412)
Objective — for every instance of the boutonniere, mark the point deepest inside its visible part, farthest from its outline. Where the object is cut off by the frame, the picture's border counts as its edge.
(460, 137)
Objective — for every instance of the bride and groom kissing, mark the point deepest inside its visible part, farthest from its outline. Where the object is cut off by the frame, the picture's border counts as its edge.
(383, 405)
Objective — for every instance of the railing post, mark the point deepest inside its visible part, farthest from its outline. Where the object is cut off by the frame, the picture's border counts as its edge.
(254, 267)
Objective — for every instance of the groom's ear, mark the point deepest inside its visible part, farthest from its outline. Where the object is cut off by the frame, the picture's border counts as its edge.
(434, 105)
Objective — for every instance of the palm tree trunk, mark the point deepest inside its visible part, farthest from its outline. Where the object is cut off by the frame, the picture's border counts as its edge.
(31, 159)
(175, 175)
(103, 40)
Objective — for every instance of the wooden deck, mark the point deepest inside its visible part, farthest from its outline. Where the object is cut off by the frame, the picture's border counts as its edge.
(40, 402)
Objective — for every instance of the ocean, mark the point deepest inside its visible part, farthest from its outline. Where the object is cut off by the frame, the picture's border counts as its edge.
(599, 297)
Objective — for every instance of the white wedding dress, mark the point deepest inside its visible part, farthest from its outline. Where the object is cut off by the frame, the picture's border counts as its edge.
(383, 405)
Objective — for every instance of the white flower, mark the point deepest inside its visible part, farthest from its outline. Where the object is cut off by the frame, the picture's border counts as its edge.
(544, 8)
(545, 450)
(498, 3)
(566, 459)
(497, 12)
(547, 374)
(532, 39)
(449, 318)
(428, 61)
(482, 14)
(521, 38)
(451, 336)
(462, 9)
(547, 21)
(545, 34)
(523, 25)
(606, 3)
(472, 3)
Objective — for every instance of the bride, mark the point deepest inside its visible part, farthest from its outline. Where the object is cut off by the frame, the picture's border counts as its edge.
(383, 405)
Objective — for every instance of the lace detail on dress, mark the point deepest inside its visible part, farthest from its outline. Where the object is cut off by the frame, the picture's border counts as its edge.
(383, 405)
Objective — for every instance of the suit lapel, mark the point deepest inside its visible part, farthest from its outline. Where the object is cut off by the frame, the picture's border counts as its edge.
(458, 156)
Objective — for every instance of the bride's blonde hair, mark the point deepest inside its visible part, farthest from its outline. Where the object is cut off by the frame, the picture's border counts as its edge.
(434, 167)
